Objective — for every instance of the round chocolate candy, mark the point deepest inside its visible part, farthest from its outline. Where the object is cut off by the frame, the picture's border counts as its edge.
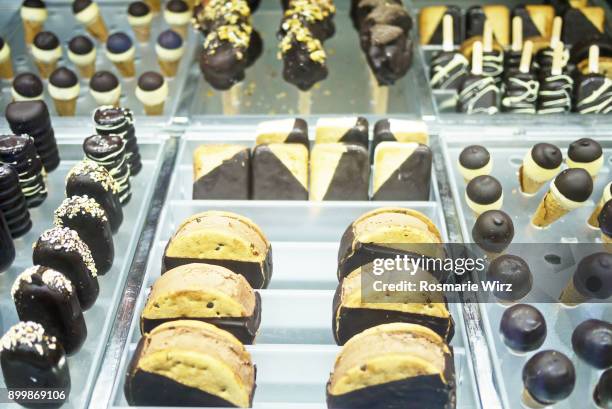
(523, 328)
(592, 342)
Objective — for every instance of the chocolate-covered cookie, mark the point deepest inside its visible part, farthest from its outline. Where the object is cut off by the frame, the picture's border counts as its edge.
(19, 152)
(354, 130)
(221, 171)
(283, 131)
(339, 171)
(280, 172)
(110, 120)
(108, 151)
(13, 205)
(523, 328)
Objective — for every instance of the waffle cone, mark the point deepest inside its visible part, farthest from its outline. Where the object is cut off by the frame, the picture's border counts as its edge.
(97, 28)
(126, 68)
(6, 69)
(570, 296)
(155, 5)
(529, 401)
(607, 242)
(142, 32)
(87, 71)
(528, 185)
(45, 68)
(154, 109)
(65, 107)
(168, 68)
(593, 218)
(30, 29)
(548, 211)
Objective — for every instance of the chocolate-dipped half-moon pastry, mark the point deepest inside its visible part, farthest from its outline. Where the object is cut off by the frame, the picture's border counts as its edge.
(19, 153)
(474, 161)
(108, 151)
(190, 363)
(592, 280)
(606, 196)
(282, 131)
(47, 297)
(582, 22)
(152, 91)
(88, 13)
(402, 171)
(399, 130)
(548, 377)
(280, 172)
(354, 129)
(224, 239)
(87, 178)
(355, 310)
(32, 118)
(140, 16)
(484, 193)
(27, 87)
(13, 205)
(497, 15)
(31, 358)
(46, 52)
(316, 16)
(537, 22)
(64, 89)
(523, 328)
(385, 231)
(85, 216)
(339, 171)
(391, 365)
(602, 395)
(592, 342)
(7, 247)
(431, 24)
(570, 190)
(513, 270)
(540, 164)
(604, 220)
(221, 171)
(493, 232)
(61, 249)
(82, 53)
(111, 120)
(587, 154)
(224, 299)
(33, 16)
(105, 88)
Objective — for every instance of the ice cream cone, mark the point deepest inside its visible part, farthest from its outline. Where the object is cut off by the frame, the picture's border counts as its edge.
(97, 28)
(181, 30)
(30, 29)
(6, 69)
(154, 109)
(570, 296)
(65, 107)
(87, 71)
(528, 185)
(45, 68)
(126, 68)
(142, 32)
(155, 5)
(529, 401)
(607, 242)
(548, 211)
(593, 218)
(168, 68)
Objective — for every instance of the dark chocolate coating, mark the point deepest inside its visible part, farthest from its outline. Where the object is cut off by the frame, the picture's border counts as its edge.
(34, 360)
(386, 14)
(576, 26)
(55, 309)
(2, 43)
(63, 78)
(13, 205)
(103, 81)
(272, 180)
(493, 64)
(529, 28)
(80, 45)
(447, 62)
(298, 134)
(311, 15)
(46, 40)
(357, 134)
(80, 5)
(90, 222)
(605, 219)
(575, 184)
(389, 53)
(510, 269)
(520, 92)
(28, 85)
(584, 150)
(138, 9)
(493, 231)
(150, 81)
(39, 4)
(7, 248)
(19, 152)
(108, 151)
(602, 395)
(580, 50)
(228, 181)
(549, 377)
(351, 177)
(437, 36)
(555, 93)
(170, 39)
(523, 328)
(243, 328)
(474, 157)
(593, 276)
(484, 189)
(586, 87)
(300, 70)
(223, 68)
(478, 94)
(592, 342)
(475, 18)
(546, 155)
(177, 6)
(512, 59)
(118, 43)
(120, 121)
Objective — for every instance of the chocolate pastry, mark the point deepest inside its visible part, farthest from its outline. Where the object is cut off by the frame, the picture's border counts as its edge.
(280, 172)
(493, 231)
(448, 70)
(521, 88)
(478, 94)
(13, 205)
(593, 94)
(7, 248)
(27, 86)
(430, 24)
(523, 328)
(224, 239)
(592, 342)
(497, 15)
(591, 280)
(339, 171)
(32, 118)
(47, 297)
(31, 358)
(85, 216)
(555, 94)
(582, 22)
(354, 130)
(484, 193)
(399, 130)
(513, 270)
(61, 249)
(549, 377)
(402, 171)
(108, 151)
(19, 152)
(474, 161)
(587, 154)
(540, 164)
(221, 171)
(393, 365)
(386, 232)
(602, 395)
(355, 310)
(225, 300)
(537, 21)
(110, 120)
(316, 16)
(283, 131)
(221, 372)
(87, 178)
(580, 54)
(388, 51)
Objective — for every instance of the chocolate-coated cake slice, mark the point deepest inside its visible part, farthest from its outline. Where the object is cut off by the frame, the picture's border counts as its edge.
(339, 171)
(280, 172)
(221, 171)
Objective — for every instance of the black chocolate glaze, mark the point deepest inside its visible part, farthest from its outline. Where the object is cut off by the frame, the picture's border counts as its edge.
(2, 43)
(177, 6)
(484, 189)
(549, 377)
(584, 150)
(523, 328)
(546, 155)
(529, 27)
(577, 26)
(150, 81)
(493, 231)
(350, 180)
(602, 395)
(103, 81)
(222, 68)
(272, 180)
(299, 133)
(39, 4)
(473, 98)
(453, 78)
(7, 248)
(80, 5)
(456, 14)
(510, 269)
(300, 70)
(592, 341)
(593, 276)
(605, 218)
(389, 53)
(138, 9)
(46, 40)
(587, 86)
(63, 78)
(520, 92)
(575, 184)
(474, 157)
(13, 205)
(80, 45)
(28, 85)
(228, 181)
(100, 146)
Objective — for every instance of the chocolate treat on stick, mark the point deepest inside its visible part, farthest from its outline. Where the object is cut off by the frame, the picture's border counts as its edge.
(543, 58)
(492, 59)
(593, 91)
(478, 93)
(520, 86)
(512, 57)
(555, 86)
(448, 67)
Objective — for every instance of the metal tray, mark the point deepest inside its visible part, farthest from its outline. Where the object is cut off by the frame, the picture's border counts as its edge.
(85, 364)
(507, 150)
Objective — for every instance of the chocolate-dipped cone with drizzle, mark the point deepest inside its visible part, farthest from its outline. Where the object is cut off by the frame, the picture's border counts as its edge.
(520, 86)
(540, 164)
(593, 91)
(478, 93)
(449, 67)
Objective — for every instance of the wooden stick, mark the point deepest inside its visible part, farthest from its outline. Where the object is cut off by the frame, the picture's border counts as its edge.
(517, 33)
(447, 33)
(557, 61)
(556, 32)
(525, 65)
(594, 59)
(381, 100)
(231, 100)
(304, 102)
(477, 58)
(487, 37)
